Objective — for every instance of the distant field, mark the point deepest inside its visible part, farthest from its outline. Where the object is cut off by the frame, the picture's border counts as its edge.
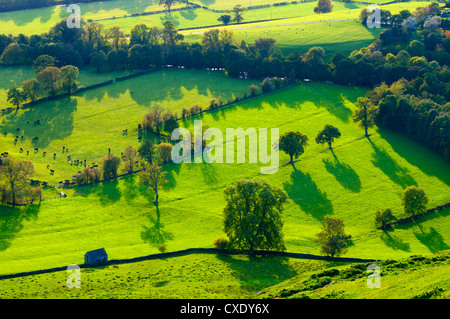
(101, 114)
(334, 36)
(13, 76)
(195, 276)
(37, 21)
(236, 277)
(361, 177)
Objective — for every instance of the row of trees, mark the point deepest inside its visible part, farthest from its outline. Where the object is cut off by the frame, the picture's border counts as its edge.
(49, 81)
(414, 202)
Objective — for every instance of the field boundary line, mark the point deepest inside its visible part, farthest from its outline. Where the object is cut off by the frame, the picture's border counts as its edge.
(195, 251)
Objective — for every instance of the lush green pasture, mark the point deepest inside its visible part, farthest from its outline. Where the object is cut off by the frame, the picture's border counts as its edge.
(235, 277)
(358, 178)
(91, 122)
(345, 36)
(194, 276)
(13, 76)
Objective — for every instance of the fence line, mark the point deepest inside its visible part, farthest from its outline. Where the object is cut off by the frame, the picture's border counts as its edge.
(192, 251)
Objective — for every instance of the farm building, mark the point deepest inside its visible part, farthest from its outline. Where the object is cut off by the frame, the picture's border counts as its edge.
(96, 257)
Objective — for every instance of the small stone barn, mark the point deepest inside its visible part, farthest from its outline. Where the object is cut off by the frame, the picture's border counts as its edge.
(96, 257)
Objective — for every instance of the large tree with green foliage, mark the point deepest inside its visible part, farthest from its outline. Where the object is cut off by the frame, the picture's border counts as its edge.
(365, 113)
(323, 6)
(69, 78)
(332, 237)
(16, 97)
(414, 201)
(15, 174)
(252, 215)
(110, 165)
(50, 79)
(167, 3)
(327, 135)
(153, 177)
(147, 151)
(293, 144)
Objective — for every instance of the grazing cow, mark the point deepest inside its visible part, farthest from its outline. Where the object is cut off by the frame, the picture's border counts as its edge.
(48, 166)
(28, 122)
(35, 138)
(28, 152)
(36, 149)
(140, 138)
(52, 171)
(18, 129)
(21, 150)
(125, 131)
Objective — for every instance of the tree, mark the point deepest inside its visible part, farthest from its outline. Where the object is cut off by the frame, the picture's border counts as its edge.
(323, 6)
(49, 77)
(16, 97)
(327, 135)
(98, 60)
(147, 151)
(167, 3)
(252, 215)
(414, 200)
(32, 89)
(165, 152)
(365, 113)
(130, 157)
(153, 177)
(332, 237)
(116, 36)
(382, 218)
(170, 124)
(13, 54)
(110, 165)
(225, 19)
(14, 173)
(293, 144)
(42, 62)
(237, 11)
(69, 77)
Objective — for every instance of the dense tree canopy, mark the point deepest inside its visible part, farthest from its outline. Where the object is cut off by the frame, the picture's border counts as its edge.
(252, 215)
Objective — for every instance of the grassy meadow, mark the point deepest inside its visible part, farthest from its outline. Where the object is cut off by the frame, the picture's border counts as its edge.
(358, 178)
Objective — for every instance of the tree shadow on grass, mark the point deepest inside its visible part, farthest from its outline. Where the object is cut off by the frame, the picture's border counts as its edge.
(56, 118)
(418, 155)
(131, 188)
(155, 234)
(11, 222)
(391, 168)
(188, 14)
(109, 192)
(304, 192)
(172, 169)
(257, 272)
(344, 174)
(430, 238)
(394, 241)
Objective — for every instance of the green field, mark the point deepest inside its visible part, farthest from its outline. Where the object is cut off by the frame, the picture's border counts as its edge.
(238, 277)
(361, 177)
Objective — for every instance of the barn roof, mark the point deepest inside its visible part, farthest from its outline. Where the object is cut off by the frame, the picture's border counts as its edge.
(96, 253)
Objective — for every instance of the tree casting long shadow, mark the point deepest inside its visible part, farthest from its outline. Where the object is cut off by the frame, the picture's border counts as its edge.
(343, 173)
(304, 192)
(11, 222)
(394, 242)
(255, 273)
(391, 168)
(155, 234)
(431, 238)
